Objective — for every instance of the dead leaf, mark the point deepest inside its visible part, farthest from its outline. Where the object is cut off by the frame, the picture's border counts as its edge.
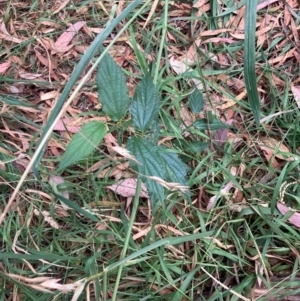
(4, 66)
(68, 124)
(263, 4)
(220, 136)
(22, 162)
(62, 43)
(219, 40)
(127, 188)
(224, 191)
(61, 6)
(14, 90)
(294, 219)
(296, 94)
(6, 36)
(49, 95)
(180, 67)
(153, 7)
(187, 119)
(45, 61)
(28, 75)
(2, 166)
(274, 148)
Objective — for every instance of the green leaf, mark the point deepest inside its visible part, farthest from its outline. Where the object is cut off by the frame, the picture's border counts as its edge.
(196, 101)
(175, 169)
(112, 89)
(249, 58)
(145, 105)
(151, 165)
(83, 143)
(204, 124)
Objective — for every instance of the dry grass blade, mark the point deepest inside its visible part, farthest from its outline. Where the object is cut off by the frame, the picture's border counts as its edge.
(46, 284)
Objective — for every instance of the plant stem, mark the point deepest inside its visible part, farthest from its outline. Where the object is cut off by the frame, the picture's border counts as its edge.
(128, 234)
(162, 41)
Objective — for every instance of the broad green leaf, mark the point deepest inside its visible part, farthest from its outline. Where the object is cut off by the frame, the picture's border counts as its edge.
(83, 143)
(175, 169)
(112, 89)
(204, 124)
(196, 101)
(249, 58)
(145, 106)
(151, 165)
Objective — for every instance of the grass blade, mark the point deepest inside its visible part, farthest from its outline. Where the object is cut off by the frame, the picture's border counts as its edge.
(249, 58)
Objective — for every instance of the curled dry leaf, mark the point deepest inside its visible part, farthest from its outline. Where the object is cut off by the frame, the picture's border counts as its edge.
(294, 219)
(127, 188)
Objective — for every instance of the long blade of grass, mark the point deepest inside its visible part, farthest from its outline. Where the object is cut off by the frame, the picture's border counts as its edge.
(249, 58)
(165, 241)
(128, 235)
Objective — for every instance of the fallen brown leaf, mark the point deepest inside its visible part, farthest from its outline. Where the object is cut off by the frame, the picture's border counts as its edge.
(127, 188)
(4, 66)
(62, 43)
(294, 219)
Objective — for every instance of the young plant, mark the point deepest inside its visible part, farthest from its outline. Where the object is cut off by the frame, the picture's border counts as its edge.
(158, 166)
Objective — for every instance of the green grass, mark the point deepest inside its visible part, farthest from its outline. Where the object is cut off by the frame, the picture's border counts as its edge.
(114, 248)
